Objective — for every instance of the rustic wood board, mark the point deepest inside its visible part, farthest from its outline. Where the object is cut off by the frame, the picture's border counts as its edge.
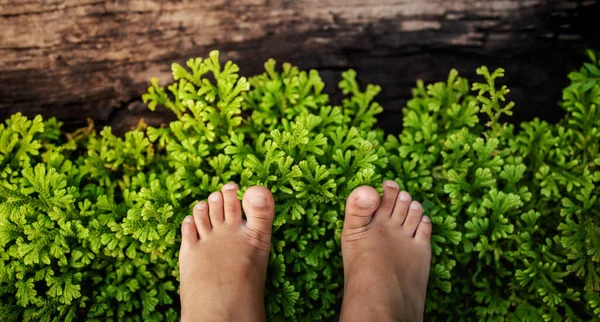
(79, 59)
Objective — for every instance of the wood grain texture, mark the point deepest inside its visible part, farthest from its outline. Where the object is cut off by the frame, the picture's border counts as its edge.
(81, 59)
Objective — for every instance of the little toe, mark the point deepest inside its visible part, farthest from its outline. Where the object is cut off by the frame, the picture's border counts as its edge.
(201, 218)
(424, 230)
(233, 210)
(413, 218)
(189, 234)
(360, 207)
(259, 208)
(215, 208)
(401, 208)
(390, 194)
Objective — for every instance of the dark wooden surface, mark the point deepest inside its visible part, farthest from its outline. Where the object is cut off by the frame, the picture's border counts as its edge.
(83, 59)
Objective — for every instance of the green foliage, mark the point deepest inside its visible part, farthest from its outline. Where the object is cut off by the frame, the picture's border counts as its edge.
(525, 203)
(89, 222)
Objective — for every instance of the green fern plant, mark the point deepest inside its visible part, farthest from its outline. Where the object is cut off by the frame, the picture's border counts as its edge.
(89, 222)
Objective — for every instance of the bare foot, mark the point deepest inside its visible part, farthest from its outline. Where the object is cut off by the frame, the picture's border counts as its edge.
(387, 254)
(223, 259)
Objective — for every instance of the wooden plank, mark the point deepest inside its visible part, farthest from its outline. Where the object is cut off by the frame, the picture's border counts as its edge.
(87, 58)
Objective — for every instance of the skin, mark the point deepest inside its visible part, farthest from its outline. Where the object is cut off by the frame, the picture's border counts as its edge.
(223, 258)
(385, 247)
(387, 253)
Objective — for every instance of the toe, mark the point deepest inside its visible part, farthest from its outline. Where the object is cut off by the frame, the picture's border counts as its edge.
(360, 207)
(413, 218)
(233, 210)
(189, 234)
(424, 230)
(390, 194)
(215, 208)
(259, 208)
(401, 208)
(201, 218)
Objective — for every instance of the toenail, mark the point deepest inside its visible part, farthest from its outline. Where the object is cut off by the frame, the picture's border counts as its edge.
(258, 201)
(392, 184)
(230, 186)
(404, 196)
(415, 205)
(200, 205)
(214, 197)
(425, 219)
(366, 202)
(188, 220)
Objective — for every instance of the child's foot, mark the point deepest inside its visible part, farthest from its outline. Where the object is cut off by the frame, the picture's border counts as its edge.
(223, 259)
(387, 254)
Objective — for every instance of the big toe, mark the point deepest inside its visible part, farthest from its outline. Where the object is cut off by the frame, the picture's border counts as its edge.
(259, 208)
(360, 207)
